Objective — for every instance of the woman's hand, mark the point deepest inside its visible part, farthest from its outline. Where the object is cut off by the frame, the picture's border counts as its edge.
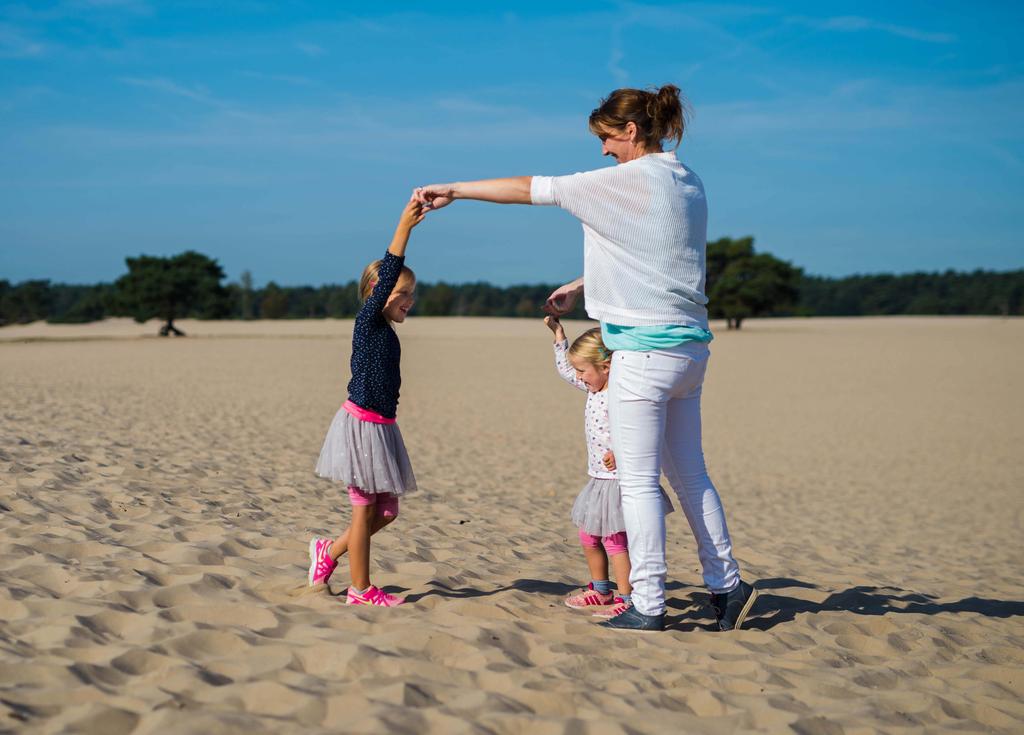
(609, 460)
(563, 299)
(435, 196)
(555, 326)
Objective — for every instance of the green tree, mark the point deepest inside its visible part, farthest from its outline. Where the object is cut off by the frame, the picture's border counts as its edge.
(723, 251)
(437, 300)
(246, 294)
(342, 301)
(274, 304)
(28, 301)
(527, 308)
(79, 304)
(188, 284)
(743, 284)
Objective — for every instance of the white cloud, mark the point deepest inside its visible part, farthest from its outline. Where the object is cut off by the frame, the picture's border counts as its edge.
(198, 94)
(133, 6)
(856, 23)
(465, 105)
(292, 79)
(616, 55)
(310, 49)
(159, 84)
(987, 119)
(16, 44)
(25, 96)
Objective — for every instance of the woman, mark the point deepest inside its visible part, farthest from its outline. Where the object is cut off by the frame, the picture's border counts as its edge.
(644, 238)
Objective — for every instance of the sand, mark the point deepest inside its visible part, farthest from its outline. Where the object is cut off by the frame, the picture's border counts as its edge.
(157, 497)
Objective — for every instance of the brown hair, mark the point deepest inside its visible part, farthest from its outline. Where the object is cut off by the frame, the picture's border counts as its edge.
(371, 274)
(658, 114)
(590, 347)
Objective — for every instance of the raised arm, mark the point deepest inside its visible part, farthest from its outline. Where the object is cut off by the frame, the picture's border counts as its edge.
(561, 347)
(515, 190)
(411, 216)
(394, 258)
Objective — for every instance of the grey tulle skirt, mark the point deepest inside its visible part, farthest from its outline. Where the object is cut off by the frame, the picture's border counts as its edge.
(368, 455)
(598, 507)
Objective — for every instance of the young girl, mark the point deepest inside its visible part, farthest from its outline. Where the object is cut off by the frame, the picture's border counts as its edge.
(364, 448)
(597, 511)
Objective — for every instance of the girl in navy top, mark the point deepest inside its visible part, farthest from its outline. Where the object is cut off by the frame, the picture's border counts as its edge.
(364, 448)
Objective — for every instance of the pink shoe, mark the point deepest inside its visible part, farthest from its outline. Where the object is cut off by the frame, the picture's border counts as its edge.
(619, 607)
(321, 565)
(589, 598)
(373, 596)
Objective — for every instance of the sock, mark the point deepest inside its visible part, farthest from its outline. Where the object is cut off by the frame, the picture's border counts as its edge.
(626, 598)
(361, 592)
(603, 586)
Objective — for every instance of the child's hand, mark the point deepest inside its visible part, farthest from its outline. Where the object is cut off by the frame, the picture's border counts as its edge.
(412, 215)
(552, 323)
(609, 460)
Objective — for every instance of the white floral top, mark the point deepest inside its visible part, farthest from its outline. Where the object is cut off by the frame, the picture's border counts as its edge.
(596, 425)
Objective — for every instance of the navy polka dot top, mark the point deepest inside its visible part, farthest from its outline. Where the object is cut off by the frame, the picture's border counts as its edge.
(376, 352)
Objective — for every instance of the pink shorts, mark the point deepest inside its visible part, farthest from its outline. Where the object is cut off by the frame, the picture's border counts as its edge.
(614, 544)
(387, 503)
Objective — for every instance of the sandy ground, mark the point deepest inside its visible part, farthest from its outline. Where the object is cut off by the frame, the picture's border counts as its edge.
(157, 497)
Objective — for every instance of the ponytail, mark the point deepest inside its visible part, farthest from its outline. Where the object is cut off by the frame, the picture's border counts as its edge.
(659, 115)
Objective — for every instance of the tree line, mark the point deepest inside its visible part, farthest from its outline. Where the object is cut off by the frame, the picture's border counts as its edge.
(741, 283)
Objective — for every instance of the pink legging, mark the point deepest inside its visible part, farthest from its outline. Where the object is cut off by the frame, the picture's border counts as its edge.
(387, 503)
(614, 544)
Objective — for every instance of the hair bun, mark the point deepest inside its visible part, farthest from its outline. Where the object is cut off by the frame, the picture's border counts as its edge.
(668, 93)
(659, 113)
(664, 103)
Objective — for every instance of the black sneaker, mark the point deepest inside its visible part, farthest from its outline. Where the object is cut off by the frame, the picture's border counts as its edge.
(630, 619)
(732, 607)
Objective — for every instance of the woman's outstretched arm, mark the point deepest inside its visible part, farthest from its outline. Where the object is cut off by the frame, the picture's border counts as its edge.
(515, 190)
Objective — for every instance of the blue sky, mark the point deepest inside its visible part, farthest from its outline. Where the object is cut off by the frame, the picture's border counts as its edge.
(283, 138)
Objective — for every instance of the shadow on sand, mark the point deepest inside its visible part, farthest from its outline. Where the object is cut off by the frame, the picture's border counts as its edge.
(693, 610)
(772, 609)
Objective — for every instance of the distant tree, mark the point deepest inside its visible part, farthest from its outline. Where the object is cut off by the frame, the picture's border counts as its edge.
(740, 283)
(437, 300)
(274, 302)
(743, 284)
(723, 251)
(29, 301)
(342, 301)
(305, 302)
(170, 288)
(74, 304)
(246, 294)
(527, 307)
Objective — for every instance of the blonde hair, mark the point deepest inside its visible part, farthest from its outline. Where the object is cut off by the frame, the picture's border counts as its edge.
(657, 114)
(590, 347)
(371, 274)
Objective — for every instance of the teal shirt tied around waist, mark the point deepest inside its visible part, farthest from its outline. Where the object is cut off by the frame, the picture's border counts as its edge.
(645, 339)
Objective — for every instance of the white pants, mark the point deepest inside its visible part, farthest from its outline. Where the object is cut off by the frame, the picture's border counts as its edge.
(654, 407)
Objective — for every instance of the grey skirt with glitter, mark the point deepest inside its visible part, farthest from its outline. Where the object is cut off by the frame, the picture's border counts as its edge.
(367, 455)
(598, 507)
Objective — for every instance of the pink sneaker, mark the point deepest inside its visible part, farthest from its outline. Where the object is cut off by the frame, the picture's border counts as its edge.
(373, 596)
(321, 565)
(618, 607)
(589, 598)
